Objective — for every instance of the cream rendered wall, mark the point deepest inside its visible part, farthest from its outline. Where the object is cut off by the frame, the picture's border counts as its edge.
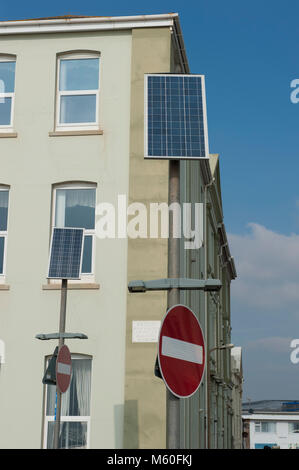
(145, 410)
(30, 164)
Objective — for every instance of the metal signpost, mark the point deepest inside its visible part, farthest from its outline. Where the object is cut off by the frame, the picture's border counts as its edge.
(175, 128)
(60, 345)
(173, 298)
(65, 263)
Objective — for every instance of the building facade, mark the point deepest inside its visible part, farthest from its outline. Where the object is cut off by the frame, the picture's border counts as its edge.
(271, 429)
(71, 138)
(270, 423)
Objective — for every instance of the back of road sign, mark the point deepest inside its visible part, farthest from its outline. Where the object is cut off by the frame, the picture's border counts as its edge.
(50, 374)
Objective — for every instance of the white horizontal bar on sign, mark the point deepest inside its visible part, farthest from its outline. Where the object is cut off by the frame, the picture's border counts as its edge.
(63, 368)
(183, 350)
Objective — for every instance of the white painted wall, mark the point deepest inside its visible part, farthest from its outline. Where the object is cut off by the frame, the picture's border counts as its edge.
(30, 164)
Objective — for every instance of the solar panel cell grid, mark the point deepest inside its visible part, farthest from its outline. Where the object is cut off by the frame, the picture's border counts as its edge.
(175, 117)
(66, 253)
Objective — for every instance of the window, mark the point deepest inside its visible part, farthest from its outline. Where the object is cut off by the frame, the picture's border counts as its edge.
(74, 206)
(7, 92)
(75, 408)
(265, 426)
(3, 229)
(78, 92)
(294, 427)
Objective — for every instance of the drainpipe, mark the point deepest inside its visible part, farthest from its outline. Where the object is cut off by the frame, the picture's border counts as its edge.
(207, 391)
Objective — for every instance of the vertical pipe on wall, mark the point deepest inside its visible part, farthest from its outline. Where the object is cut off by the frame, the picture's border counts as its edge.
(207, 381)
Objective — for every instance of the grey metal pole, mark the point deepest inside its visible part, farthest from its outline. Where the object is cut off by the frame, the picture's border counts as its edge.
(60, 343)
(208, 400)
(173, 402)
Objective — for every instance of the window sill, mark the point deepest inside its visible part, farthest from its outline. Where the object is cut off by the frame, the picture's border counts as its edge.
(90, 285)
(8, 134)
(4, 287)
(70, 133)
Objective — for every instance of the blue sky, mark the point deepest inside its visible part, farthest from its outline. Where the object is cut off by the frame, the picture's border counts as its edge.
(249, 54)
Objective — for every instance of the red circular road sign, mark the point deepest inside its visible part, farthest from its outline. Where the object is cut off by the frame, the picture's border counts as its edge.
(63, 368)
(181, 351)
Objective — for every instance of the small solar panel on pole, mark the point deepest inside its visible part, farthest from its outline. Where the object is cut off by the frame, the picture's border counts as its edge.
(65, 262)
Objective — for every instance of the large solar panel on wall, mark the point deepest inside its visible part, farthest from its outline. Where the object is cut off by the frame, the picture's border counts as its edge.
(175, 117)
(66, 253)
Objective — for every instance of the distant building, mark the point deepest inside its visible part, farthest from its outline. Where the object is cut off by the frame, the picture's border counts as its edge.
(271, 423)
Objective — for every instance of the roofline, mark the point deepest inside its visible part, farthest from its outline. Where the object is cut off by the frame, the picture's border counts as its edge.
(255, 402)
(70, 23)
(209, 180)
(92, 23)
(257, 414)
(181, 45)
(229, 258)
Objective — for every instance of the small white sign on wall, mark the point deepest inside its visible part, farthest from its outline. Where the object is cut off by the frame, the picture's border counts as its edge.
(145, 331)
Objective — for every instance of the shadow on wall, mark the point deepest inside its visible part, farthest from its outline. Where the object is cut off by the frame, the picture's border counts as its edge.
(131, 428)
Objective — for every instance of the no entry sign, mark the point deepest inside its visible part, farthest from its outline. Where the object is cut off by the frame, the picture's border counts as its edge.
(63, 369)
(181, 351)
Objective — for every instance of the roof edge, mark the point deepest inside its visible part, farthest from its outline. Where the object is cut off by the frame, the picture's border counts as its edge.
(68, 22)
(181, 44)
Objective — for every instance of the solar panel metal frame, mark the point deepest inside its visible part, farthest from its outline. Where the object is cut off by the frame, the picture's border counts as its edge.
(205, 122)
(81, 255)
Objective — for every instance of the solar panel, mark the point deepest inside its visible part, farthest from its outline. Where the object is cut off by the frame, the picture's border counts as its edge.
(66, 253)
(175, 117)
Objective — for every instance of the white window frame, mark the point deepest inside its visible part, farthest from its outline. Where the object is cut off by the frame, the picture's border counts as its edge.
(84, 125)
(4, 234)
(88, 277)
(9, 127)
(65, 419)
(259, 424)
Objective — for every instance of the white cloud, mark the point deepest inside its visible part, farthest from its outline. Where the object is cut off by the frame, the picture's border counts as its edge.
(268, 269)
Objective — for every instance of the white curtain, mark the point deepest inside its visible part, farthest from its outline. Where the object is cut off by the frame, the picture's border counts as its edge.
(65, 402)
(60, 208)
(82, 376)
(66, 198)
(3, 199)
(78, 393)
(75, 402)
